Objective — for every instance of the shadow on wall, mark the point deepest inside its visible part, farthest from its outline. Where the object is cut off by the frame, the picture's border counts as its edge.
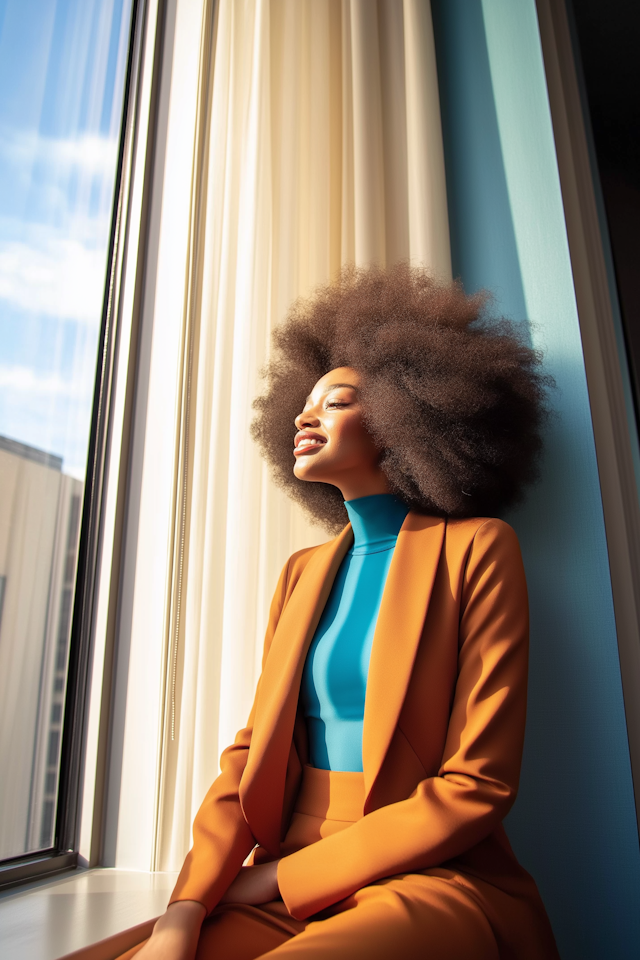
(574, 824)
(483, 241)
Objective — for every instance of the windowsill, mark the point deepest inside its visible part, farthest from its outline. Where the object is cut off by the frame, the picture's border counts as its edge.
(47, 920)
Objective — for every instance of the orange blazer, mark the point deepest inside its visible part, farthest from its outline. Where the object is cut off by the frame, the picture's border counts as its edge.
(442, 739)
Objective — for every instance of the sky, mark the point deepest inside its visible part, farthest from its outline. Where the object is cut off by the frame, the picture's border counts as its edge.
(62, 66)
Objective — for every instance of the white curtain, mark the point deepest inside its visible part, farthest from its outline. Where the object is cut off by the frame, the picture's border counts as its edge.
(324, 147)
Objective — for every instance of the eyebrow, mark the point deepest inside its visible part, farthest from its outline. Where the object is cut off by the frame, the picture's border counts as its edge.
(332, 386)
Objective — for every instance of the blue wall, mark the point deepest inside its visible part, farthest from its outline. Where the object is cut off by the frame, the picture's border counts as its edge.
(574, 824)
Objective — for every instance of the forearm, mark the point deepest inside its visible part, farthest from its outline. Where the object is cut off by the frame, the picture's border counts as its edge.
(221, 837)
(175, 935)
(440, 821)
(254, 885)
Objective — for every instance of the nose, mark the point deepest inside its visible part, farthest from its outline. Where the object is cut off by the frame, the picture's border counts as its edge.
(306, 419)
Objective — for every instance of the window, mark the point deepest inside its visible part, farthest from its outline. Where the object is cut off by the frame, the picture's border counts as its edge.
(63, 72)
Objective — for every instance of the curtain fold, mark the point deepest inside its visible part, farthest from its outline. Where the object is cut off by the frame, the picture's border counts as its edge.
(324, 147)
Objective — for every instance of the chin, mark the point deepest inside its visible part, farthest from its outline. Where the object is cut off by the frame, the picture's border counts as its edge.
(304, 474)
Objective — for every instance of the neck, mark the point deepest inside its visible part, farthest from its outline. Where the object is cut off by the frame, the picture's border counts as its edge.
(363, 486)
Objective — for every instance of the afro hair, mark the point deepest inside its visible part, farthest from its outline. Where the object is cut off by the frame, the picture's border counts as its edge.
(454, 400)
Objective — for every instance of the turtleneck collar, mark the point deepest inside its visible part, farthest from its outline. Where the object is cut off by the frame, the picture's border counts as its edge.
(376, 521)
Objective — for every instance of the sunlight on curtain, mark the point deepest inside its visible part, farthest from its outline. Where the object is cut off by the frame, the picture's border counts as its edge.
(324, 148)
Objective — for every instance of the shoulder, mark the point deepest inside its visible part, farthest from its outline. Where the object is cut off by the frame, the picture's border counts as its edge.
(289, 576)
(297, 563)
(479, 546)
(299, 560)
(476, 531)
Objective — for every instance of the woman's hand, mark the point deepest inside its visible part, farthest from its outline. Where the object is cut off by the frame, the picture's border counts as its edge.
(175, 935)
(254, 885)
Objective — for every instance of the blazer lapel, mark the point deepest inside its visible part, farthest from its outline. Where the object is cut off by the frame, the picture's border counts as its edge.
(398, 631)
(263, 782)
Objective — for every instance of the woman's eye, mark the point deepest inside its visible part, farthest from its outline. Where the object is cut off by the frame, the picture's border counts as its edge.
(337, 403)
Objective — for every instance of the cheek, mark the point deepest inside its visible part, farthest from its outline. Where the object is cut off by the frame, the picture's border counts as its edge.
(350, 434)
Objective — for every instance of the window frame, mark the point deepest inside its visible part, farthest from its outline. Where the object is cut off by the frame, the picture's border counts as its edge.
(64, 853)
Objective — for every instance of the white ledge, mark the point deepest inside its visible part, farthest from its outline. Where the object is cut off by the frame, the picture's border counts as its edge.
(49, 919)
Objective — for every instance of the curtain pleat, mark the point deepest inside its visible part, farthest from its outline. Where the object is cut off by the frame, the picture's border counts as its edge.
(324, 148)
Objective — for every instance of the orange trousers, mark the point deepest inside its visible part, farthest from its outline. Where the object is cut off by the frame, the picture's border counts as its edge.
(422, 916)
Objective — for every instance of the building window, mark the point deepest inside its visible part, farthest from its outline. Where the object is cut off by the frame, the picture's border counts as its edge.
(62, 76)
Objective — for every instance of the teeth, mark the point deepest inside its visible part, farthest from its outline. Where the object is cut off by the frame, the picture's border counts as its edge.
(309, 442)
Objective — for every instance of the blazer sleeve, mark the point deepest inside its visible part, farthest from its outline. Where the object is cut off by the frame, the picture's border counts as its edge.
(222, 839)
(477, 781)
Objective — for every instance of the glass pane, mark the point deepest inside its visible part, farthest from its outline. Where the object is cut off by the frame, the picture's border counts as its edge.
(62, 70)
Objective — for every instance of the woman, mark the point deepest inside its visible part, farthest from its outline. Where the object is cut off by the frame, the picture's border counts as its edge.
(384, 745)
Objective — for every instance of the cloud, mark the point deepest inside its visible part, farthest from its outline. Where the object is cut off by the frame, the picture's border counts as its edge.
(54, 276)
(26, 380)
(52, 260)
(49, 411)
(91, 153)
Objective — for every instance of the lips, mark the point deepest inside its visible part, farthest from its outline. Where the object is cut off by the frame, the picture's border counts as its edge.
(307, 442)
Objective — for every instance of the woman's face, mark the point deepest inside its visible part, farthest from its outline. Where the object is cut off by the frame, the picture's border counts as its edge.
(332, 444)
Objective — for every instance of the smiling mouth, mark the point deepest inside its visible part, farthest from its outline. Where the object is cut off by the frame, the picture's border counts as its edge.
(308, 445)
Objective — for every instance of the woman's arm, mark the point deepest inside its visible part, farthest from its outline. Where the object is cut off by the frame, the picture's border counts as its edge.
(477, 780)
(175, 935)
(254, 885)
(222, 839)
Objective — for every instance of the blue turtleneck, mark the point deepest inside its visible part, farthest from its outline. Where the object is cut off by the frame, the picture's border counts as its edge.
(334, 680)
